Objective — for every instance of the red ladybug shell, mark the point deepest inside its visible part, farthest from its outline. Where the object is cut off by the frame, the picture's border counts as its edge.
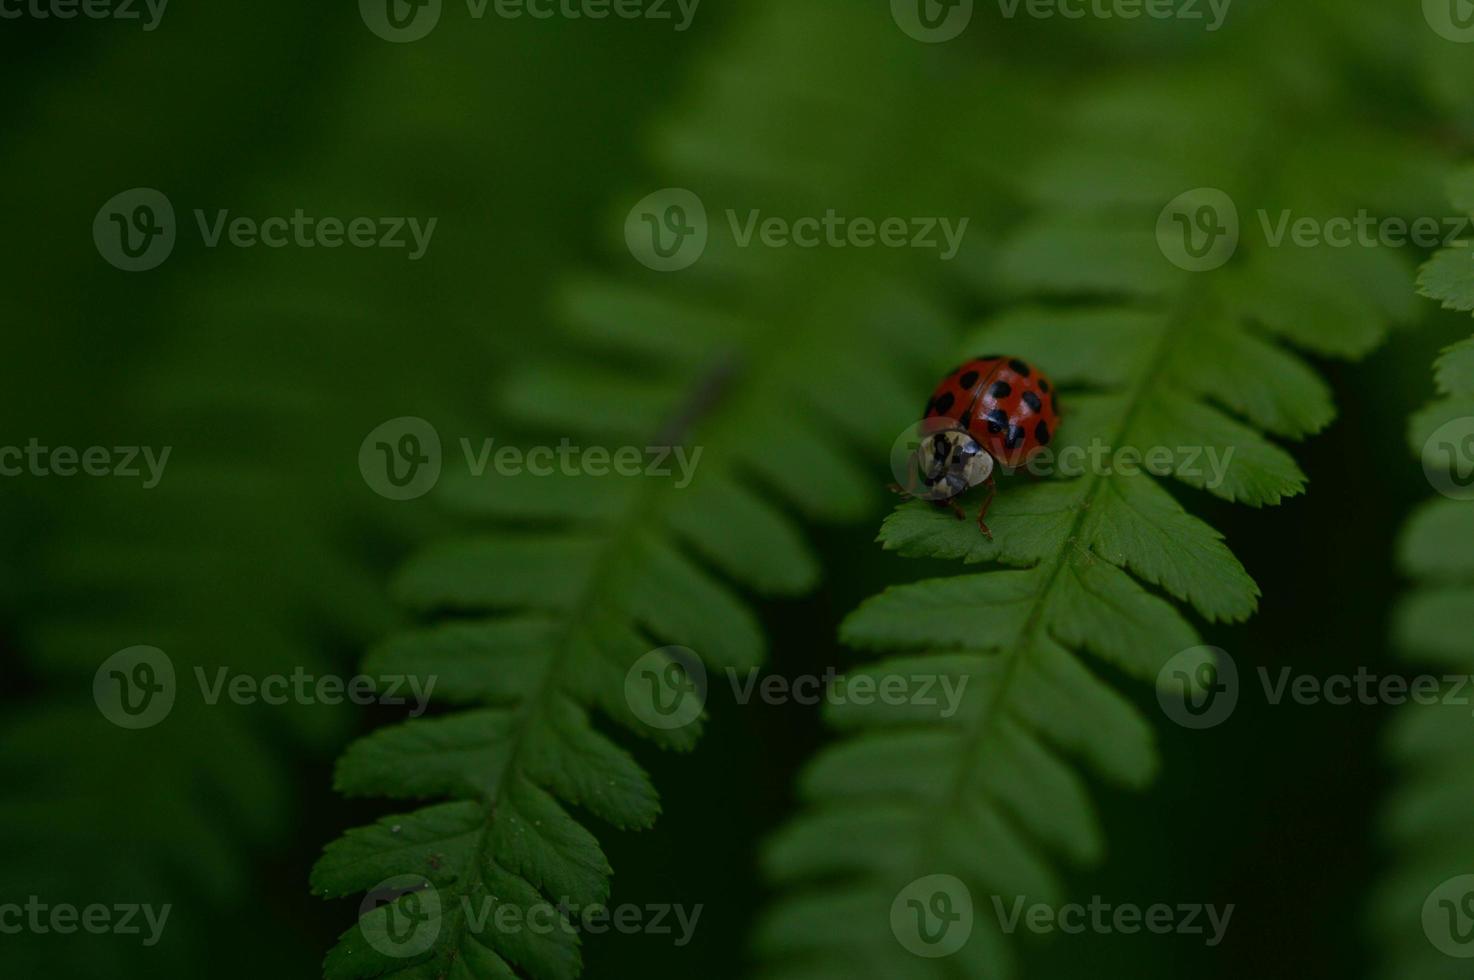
(1009, 406)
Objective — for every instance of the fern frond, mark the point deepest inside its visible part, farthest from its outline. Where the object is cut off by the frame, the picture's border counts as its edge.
(1422, 909)
(783, 369)
(1148, 356)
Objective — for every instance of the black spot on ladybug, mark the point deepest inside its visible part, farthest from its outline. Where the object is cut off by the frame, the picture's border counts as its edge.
(1020, 367)
(1015, 437)
(944, 404)
(1032, 400)
(1044, 385)
(997, 419)
(1001, 389)
(968, 380)
(1041, 432)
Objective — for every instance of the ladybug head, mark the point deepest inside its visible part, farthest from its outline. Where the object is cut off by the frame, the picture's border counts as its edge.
(951, 462)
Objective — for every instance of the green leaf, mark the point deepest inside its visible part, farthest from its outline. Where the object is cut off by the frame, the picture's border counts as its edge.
(1449, 278)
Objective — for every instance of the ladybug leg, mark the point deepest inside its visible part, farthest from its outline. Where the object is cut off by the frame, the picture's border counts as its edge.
(951, 505)
(983, 510)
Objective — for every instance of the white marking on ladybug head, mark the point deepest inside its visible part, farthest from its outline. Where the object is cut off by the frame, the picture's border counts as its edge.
(951, 462)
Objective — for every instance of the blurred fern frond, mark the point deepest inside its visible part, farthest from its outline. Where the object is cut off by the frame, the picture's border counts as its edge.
(1422, 909)
(782, 369)
(261, 551)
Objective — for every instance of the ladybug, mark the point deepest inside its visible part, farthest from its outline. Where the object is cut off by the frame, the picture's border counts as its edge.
(1002, 410)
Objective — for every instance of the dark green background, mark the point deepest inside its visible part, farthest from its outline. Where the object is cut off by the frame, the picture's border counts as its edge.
(267, 368)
